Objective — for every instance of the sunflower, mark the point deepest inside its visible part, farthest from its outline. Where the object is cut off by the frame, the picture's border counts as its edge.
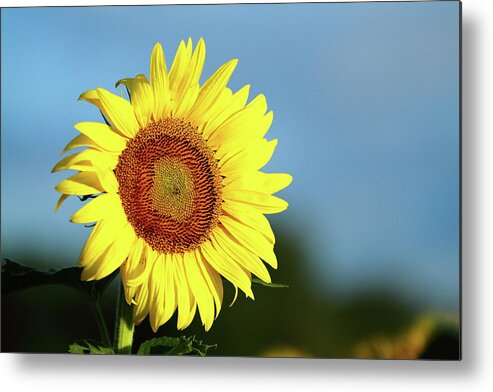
(177, 195)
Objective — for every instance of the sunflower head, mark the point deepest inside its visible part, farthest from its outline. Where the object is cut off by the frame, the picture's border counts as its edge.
(180, 201)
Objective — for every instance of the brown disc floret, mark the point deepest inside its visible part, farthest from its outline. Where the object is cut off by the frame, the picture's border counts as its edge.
(170, 186)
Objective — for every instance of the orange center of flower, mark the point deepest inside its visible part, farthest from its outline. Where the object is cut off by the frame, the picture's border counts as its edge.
(170, 186)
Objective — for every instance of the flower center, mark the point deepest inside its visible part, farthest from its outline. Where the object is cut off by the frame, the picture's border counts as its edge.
(172, 193)
(170, 186)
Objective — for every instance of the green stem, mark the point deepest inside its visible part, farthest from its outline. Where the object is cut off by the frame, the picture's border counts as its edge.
(103, 329)
(124, 328)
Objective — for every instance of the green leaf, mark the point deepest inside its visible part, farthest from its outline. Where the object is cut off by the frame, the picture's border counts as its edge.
(271, 285)
(18, 277)
(89, 347)
(174, 346)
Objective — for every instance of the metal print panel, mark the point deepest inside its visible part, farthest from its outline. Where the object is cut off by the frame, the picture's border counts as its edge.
(268, 180)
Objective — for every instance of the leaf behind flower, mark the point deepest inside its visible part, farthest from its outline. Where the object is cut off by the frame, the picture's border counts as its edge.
(271, 285)
(17, 277)
(89, 347)
(182, 345)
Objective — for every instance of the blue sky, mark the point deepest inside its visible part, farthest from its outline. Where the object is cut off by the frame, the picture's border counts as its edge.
(366, 106)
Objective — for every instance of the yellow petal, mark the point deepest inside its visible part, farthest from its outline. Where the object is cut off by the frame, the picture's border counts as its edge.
(249, 216)
(113, 257)
(85, 160)
(156, 293)
(242, 256)
(269, 183)
(249, 157)
(226, 105)
(159, 82)
(242, 126)
(213, 280)
(93, 96)
(80, 161)
(183, 104)
(102, 236)
(119, 112)
(81, 141)
(170, 294)
(100, 239)
(193, 308)
(89, 270)
(130, 292)
(266, 204)
(250, 238)
(98, 208)
(127, 82)
(106, 176)
(178, 72)
(212, 89)
(142, 99)
(83, 183)
(141, 308)
(189, 88)
(183, 293)
(197, 62)
(227, 267)
(200, 290)
(90, 96)
(92, 161)
(140, 259)
(254, 131)
(102, 135)
(60, 201)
